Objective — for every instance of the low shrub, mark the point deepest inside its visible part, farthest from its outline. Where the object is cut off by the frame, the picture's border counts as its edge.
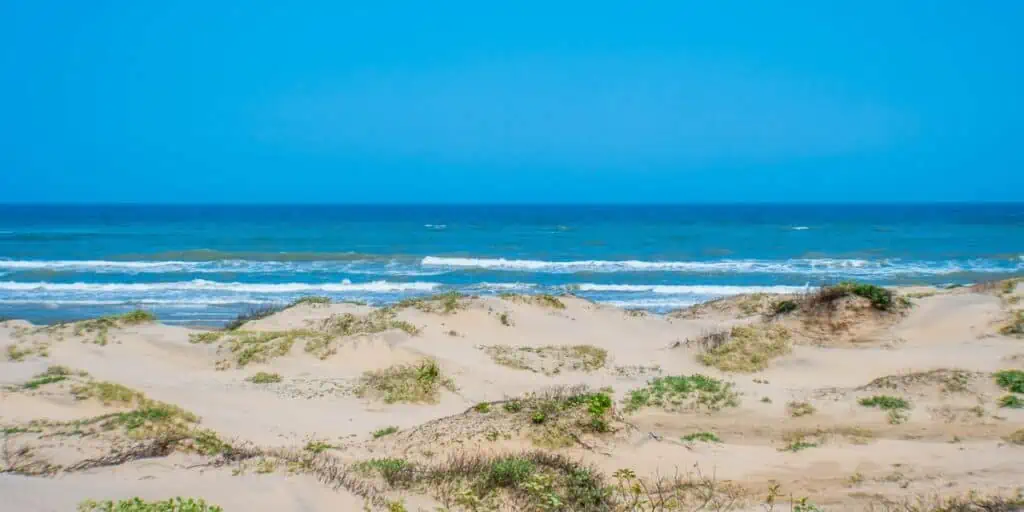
(1010, 380)
(679, 392)
(884, 402)
(264, 378)
(138, 505)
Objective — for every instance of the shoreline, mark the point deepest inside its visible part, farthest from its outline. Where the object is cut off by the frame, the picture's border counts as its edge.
(320, 388)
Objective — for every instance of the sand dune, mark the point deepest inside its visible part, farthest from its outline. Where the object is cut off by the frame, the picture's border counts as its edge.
(849, 401)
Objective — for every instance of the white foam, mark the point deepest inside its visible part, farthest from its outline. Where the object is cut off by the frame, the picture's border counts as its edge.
(819, 266)
(652, 304)
(700, 290)
(203, 285)
(799, 228)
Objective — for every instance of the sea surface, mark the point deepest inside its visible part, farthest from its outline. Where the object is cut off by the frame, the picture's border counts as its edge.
(205, 264)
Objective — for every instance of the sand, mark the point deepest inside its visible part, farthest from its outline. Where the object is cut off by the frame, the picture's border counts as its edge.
(940, 353)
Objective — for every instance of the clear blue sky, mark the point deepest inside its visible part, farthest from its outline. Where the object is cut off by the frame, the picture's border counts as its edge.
(335, 101)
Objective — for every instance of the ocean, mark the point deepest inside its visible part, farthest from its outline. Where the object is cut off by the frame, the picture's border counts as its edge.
(204, 264)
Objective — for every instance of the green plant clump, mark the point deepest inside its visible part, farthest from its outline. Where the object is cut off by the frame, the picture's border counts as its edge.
(264, 378)
(704, 437)
(405, 383)
(386, 431)
(679, 392)
(783, 307)
(1010, 380)
(51, 375)
(138, 505)
(881, 298)
(884, 402)
(1011, 402)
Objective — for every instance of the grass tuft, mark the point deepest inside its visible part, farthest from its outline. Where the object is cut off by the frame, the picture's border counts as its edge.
(798, 409)
(676, 393)
(884, 402)
(386, 431)
(1010, 380)
(312, 300)
(881, 298)
(51, 375)
(544, 300)
(550, 359)
(703, 437)
(444, 303)
(419, 383)
(1015, 326)
(138, 505)
(265, 378)
(253, 313)
(1011, 402)
(746, 348)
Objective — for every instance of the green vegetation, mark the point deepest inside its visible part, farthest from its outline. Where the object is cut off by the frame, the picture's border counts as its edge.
(881, 299)
(505, 319)
(783, 307)
(254, 313)
(745, 348)
(51, 375)
(138, 505)
(1015, 326)
(553, 418)
(482, 407)
(386, 431)
(543, 299)
(264, 378)
(312, 300)
(444, 303)
(248, 347)
(16, 353)
(681, 392)
(1011, 402)
(417, 383)
(798, 409)
(205, 338)
(531, 481)
(1010, 380)
(704, 437)
(884, 402)
(550, 359)
(317, 447)
(949, 380)
(895, 406)
(797, 440)
(101, 326)
(798, 445)
(107, 393)
(320, 342)
(391, 469)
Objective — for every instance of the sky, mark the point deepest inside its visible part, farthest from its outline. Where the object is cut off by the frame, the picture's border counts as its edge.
(558, 102)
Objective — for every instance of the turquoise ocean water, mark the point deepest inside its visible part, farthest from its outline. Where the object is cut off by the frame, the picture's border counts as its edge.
(204, 264)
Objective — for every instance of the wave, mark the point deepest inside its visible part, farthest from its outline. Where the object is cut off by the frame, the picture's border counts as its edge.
(817, 266)
(660, 305)
(203, 285)
(210, 255)
(359, 267)
(700, 290)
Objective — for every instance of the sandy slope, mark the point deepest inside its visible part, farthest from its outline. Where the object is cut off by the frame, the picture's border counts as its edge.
(950, 442)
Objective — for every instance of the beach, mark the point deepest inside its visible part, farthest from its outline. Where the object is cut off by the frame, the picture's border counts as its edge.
(846, 397)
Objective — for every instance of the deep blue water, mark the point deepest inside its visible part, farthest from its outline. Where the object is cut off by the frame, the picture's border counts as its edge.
(203, 264)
